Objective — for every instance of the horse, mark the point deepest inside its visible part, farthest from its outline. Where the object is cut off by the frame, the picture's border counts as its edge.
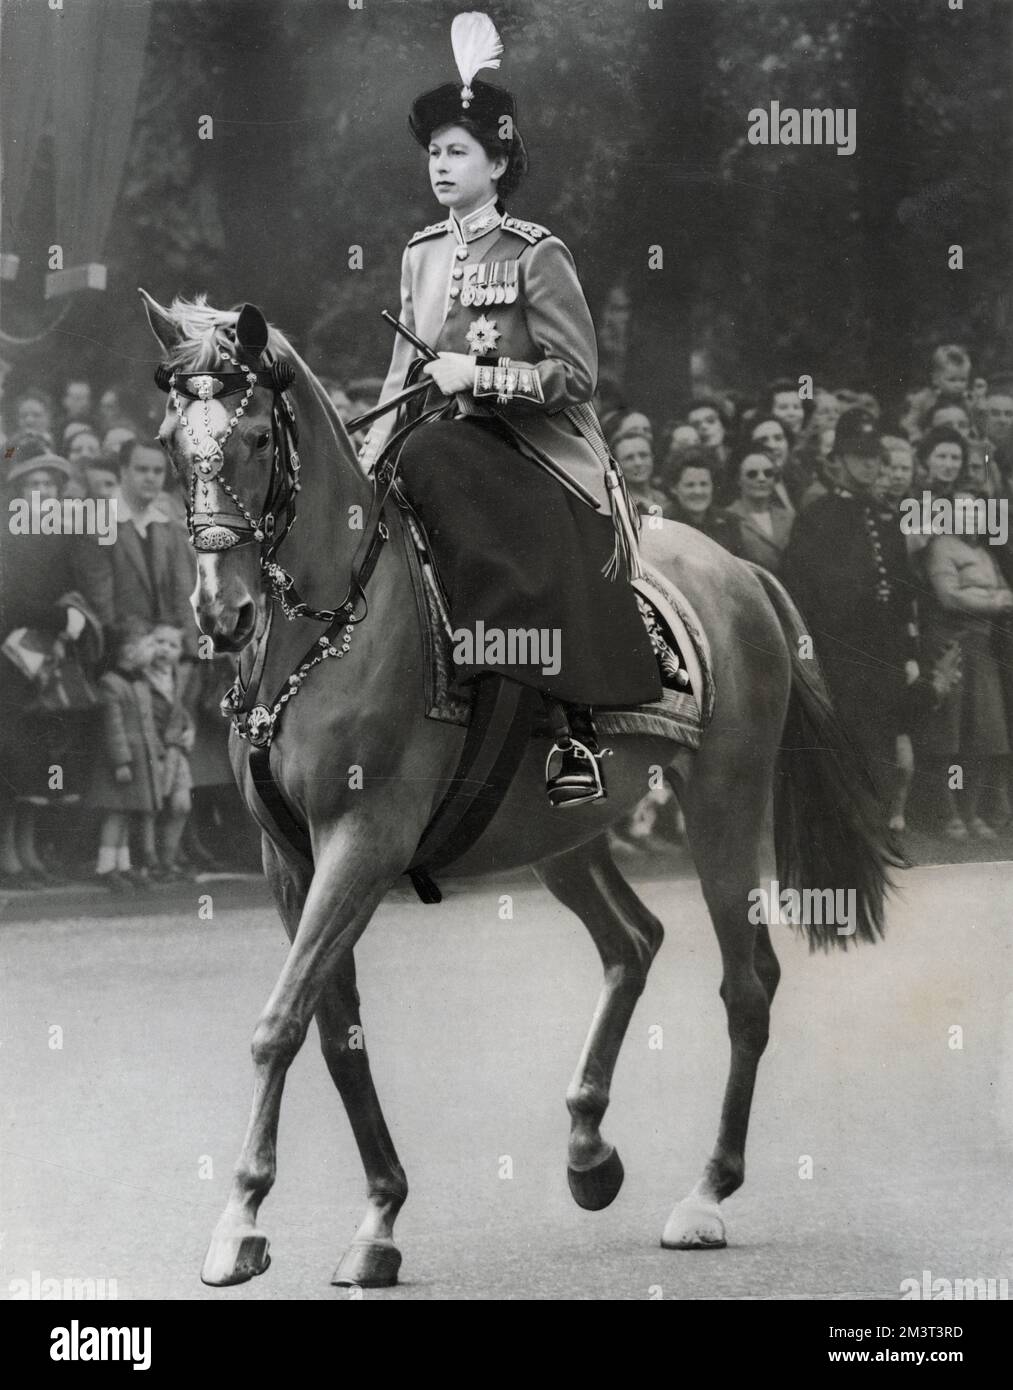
(362, 768)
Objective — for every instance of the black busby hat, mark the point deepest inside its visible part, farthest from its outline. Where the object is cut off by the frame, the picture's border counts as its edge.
(476, 45)
(443, 106)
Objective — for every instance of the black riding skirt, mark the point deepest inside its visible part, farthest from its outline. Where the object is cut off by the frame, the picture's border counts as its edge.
(520, 558)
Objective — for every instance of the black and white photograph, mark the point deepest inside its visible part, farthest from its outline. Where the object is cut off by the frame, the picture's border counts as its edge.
(506, 664)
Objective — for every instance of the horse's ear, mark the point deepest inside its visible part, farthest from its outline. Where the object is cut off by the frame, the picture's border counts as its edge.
(163, 325)
(251, 329)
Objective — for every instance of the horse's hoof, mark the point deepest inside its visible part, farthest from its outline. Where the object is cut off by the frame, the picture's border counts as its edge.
(369, 1264)
(694, 1225)
(596, 1188)
(234, 1259)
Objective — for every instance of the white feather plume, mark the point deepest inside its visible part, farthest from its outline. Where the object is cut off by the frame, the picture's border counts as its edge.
(476, 44)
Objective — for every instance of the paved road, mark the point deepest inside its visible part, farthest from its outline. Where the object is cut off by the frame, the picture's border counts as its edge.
(474, 1025)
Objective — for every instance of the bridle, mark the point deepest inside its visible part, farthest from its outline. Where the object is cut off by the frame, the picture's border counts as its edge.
(213, 531)
(210, 530)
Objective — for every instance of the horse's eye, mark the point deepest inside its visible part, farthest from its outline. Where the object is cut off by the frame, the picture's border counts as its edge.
(263, 439)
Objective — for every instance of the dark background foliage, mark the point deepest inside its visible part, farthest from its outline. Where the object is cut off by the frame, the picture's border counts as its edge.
(775, 258)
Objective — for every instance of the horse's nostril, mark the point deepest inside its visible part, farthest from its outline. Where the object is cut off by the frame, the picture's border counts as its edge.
(230, 629)
(246, 619)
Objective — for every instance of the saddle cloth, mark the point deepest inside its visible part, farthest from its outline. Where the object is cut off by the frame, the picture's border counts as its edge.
(681, 714)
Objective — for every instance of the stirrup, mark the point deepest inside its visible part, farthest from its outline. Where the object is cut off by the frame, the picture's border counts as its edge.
(578, 776)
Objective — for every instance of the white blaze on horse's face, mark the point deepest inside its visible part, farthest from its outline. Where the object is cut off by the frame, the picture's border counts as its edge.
(228, 600)
(207, 421)
(227, 609)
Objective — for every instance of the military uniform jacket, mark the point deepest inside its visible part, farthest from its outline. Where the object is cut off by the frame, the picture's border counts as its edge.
(847, 567)
(497, 288)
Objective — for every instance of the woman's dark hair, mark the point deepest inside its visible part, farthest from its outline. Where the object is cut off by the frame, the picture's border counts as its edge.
(747, 445)
(942, 434)
(692, 456)
(704, 403)
(617, 428)
(517, 156)
(747, 451)
(943, 403)
(785, 386)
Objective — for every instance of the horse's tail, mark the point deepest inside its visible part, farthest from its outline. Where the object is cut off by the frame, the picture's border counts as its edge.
(829, 829)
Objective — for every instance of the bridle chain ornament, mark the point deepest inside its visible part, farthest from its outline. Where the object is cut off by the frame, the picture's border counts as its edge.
(209, 460)
(209, 451)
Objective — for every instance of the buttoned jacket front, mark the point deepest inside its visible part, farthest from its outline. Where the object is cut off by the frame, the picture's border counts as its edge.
(498, 288)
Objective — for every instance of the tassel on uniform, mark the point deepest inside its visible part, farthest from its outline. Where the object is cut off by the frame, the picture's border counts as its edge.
(625, 561)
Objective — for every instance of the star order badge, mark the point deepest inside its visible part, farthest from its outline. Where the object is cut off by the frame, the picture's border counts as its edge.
(483, 336)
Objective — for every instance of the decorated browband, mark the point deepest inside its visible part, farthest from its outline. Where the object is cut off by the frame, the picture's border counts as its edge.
(279, 376)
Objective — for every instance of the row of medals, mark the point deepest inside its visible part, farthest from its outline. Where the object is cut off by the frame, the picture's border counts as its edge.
(489, 288)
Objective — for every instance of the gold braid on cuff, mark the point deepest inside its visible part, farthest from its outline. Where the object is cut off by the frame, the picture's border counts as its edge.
(508, 382)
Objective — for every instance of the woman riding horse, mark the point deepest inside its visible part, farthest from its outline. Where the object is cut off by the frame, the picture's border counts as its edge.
(515, 489)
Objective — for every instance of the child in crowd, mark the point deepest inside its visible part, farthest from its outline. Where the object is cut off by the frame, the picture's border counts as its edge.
(951, 379)
(127, 773)
(164, 830)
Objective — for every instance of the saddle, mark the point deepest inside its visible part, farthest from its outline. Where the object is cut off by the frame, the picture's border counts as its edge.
(502, 716)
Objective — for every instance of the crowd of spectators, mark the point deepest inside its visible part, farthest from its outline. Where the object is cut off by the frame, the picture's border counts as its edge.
(113, 756)
(912, 622)
(113, 759)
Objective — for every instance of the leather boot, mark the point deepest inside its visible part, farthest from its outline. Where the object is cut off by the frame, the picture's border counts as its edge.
(573, 773)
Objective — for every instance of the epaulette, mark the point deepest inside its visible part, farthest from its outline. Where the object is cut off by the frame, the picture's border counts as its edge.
(436, 229)
(530, 231)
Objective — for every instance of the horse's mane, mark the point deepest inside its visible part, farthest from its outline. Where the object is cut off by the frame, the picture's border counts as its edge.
(204, 332)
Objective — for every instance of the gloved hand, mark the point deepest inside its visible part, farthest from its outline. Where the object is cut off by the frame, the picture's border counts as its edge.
(369, 451)
(452, 372)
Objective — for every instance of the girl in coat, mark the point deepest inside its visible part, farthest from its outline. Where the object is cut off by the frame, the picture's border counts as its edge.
(176, 738)
(126, 786)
